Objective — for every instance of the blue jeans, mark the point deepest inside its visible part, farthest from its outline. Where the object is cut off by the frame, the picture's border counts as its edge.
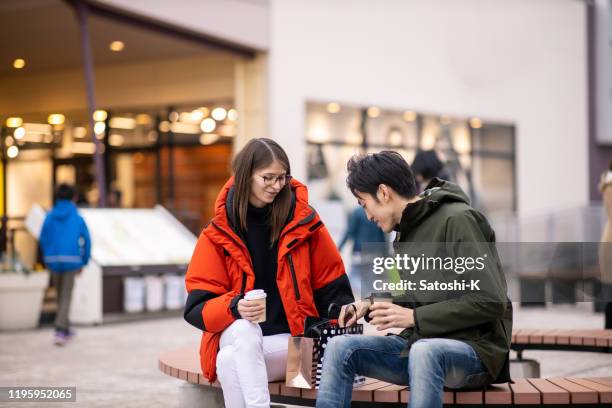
(430, 365)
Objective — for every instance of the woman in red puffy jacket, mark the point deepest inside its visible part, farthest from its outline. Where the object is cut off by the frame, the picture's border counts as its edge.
(264, 235)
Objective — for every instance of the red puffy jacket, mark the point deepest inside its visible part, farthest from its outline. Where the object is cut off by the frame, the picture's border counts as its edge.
(310, 272)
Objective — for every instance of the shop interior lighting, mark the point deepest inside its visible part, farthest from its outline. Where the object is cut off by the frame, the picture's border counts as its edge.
(445, 119)
(79, 132)
(185, 128)
(373, 112)
(100, 115)
(196, 115)
(56, 119)
(99, 128)
(208, 138)
(116, 139)
(12, 152)
(9, 141)
(208, 125)
(232, 115)
(164, 126)
(83, 147)
(143, 119)
(174, 116)
(396, 137)
(219, 114)
(14, 122)
(409, 116)
(333, 107)
(476, 123)
(19, 63)
(116, 46)
(152, 136)
(118, 122)
(19, 133)
(204, 111)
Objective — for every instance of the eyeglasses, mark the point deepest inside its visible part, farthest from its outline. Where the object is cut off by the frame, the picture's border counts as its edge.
(269, 181)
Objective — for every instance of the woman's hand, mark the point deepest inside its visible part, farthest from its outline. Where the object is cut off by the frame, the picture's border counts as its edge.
(249, 310)
(387, 315)
(347, 313)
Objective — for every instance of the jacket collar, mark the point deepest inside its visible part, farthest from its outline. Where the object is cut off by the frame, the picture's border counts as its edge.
(225, 231)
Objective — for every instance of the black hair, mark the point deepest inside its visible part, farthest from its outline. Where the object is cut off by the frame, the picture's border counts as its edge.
(367, 172)
(427, 164)
(64, 192)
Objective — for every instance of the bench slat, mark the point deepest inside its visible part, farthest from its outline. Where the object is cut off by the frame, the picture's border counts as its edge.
(551, 393)
(578, 393)
(289, 391)
(498, 394)
(603, 380)
(366, 392)
(524, 393)
(468, 397)
(390, 393)
(604, 391)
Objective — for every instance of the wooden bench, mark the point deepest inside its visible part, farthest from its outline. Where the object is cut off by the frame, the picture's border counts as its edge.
(599, 341)
(551, 392)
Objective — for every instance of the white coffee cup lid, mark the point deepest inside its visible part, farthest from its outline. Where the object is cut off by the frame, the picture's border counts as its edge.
(255, 294)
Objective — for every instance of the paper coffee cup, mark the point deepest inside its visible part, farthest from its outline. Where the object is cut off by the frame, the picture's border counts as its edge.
(385, 297)
(257, 296)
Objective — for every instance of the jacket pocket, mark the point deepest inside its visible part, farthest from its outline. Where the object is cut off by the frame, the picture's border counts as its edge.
(296, 289)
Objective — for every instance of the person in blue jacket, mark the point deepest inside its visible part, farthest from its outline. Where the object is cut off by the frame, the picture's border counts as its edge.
(66, 248)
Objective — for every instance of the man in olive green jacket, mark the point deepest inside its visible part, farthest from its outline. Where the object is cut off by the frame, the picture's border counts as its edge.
(457, 337)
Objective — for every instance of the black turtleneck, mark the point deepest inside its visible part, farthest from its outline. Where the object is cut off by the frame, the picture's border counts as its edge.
(264, 258)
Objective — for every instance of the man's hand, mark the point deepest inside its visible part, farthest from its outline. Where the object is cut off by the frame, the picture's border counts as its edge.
(250, 310)
(347, 313)
(387, 315)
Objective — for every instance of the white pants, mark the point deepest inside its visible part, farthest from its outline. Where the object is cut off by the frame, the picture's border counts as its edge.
(247, 361)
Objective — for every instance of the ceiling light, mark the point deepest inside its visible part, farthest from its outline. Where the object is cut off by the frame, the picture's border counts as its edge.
(19, 63)
(208, 138)
(409, 116)
(208, 125)
(219, 114)
(12, 152)
(56, 119)
(373, 112)
(100, 115)
(19, 133)
(14, 122)
(476, 123)
(116, 46)
(174, 116)
(232, 115)
(99, 128)
(333, 107)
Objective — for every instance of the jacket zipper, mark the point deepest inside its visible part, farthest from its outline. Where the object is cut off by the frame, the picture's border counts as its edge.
(293, 277)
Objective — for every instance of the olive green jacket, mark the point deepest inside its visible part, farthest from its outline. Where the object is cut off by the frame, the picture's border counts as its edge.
(481, 318)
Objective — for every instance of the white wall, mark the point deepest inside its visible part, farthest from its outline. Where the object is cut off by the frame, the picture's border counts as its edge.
(519, 61)
(240, 21)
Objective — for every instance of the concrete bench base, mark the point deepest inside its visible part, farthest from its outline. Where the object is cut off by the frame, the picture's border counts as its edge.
(198, 396)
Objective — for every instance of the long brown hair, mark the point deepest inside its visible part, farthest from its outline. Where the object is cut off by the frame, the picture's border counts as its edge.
(257, 154)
